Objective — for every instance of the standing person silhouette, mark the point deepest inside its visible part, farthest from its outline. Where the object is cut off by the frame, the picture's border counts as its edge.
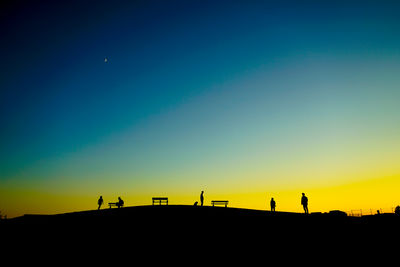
(100, 202)
(202, 198)
(304, 202)
(273, 204)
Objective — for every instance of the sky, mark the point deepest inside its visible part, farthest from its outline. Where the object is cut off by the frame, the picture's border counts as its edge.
(246, 100)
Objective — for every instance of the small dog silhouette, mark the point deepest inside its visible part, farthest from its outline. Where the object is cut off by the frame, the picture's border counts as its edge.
(195, 203)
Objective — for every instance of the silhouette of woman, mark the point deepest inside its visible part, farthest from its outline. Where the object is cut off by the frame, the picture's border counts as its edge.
(100, 202)
(202, 198)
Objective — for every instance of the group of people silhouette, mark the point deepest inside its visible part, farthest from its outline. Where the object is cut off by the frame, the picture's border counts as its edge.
(119, 203)
(304, 202)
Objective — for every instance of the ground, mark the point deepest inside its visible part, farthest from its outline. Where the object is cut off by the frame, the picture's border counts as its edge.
(206, 232)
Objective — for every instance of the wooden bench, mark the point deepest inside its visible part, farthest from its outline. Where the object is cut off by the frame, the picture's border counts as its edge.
(219, 202)
(115, 204)
(160, 200)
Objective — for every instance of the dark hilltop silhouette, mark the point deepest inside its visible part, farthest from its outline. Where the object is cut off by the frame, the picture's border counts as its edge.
(188, 219)
(195, 232)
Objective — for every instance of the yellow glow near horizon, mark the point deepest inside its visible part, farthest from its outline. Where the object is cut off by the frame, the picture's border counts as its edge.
(367, 195)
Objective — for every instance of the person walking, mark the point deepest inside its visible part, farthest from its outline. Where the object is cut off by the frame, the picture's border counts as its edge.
(272, 204)
(100, 202)
(202, 198)
(304, 202)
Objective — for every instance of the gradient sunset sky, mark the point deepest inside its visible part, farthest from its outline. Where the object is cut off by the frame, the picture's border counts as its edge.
(246, 100)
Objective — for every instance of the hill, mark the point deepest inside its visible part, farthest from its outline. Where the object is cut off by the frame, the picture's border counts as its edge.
(183, 218)
(187, 228)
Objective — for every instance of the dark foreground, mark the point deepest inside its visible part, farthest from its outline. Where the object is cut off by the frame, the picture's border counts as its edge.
(147, 232)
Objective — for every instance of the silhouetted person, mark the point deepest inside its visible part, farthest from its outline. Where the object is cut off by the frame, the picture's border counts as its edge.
(273, 204)
(304, 202)
(120, 202)
(100, 202)
(397, 210)
(202, 198)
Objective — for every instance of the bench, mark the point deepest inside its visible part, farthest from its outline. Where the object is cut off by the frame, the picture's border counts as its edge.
(115, 204)
(219, 202)
(160, 200)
